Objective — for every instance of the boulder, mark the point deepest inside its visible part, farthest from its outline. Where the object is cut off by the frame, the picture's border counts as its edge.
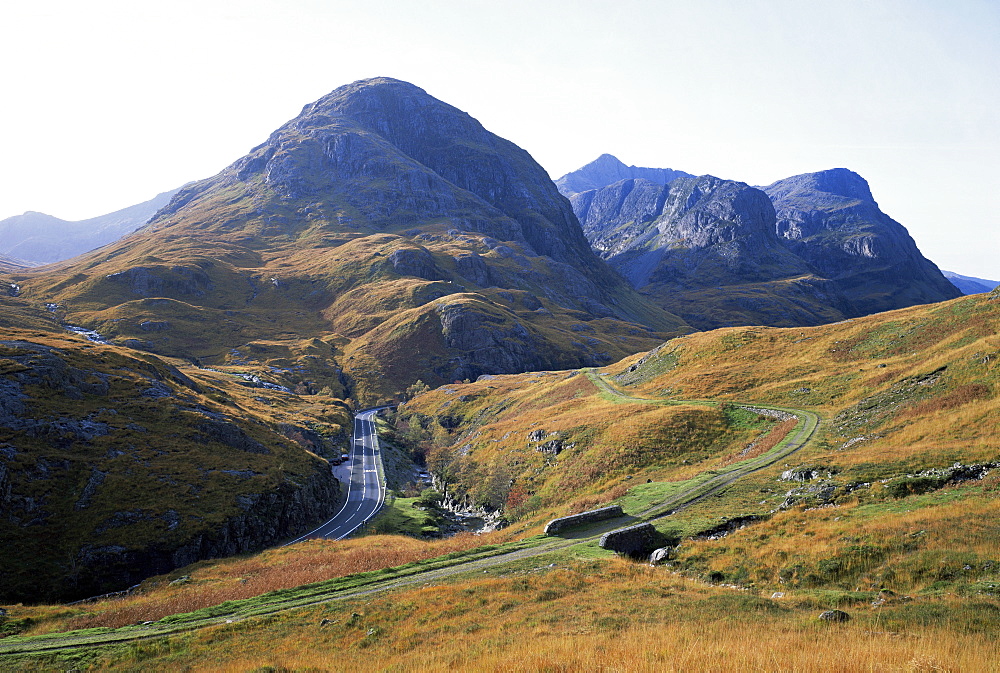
(834, 616)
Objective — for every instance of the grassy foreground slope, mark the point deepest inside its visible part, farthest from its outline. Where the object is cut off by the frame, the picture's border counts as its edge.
(886, 528)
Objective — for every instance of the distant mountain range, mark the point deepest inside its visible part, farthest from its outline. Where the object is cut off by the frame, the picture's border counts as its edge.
(41, 239)
(970, 285)
(806, 250)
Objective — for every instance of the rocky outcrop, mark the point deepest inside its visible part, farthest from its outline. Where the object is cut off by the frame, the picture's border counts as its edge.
(490, 343)
(606, 170)
(807, 250)
(159, 281)
(265, 519)
(111, 469)
(415, 262)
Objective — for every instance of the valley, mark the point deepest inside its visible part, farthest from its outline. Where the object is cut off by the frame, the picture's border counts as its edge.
(788, 402)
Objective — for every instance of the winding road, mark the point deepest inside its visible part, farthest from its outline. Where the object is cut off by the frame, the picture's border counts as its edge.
(365, 496)
(365, 488)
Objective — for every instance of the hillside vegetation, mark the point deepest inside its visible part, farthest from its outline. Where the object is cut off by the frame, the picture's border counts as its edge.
(116, 464)
(871, 517)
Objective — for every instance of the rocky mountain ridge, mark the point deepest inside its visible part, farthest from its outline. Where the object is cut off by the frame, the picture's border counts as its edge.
(607, 169)
(809, 249)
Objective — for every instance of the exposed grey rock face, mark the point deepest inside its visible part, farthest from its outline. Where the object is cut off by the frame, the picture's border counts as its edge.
(415, 262)
(44, 239)
(694, 231)
(810, 249)
(606, 170)
(830, 220)
(158, 281)
(489, 345)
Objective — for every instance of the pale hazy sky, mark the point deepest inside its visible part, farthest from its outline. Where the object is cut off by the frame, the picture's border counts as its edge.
(106, 102)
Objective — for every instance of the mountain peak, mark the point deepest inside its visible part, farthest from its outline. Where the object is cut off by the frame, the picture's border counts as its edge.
(606, 170)
(836, 181)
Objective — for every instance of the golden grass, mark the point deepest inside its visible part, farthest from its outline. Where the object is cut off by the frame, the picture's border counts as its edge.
(217, 581)
(596, 616)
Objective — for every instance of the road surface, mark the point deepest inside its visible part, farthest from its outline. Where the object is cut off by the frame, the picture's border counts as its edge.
(366, 487)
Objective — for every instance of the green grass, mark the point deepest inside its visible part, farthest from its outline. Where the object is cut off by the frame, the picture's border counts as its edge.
(403, 516)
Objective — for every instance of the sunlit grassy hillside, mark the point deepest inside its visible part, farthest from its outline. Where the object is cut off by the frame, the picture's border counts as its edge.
(872, 517)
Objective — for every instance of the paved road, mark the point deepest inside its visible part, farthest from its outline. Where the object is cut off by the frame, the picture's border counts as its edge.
(362, 483)
(366, 487)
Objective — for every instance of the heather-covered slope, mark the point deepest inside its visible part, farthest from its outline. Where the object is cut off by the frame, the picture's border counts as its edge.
(897, 490)
(116, 465)
(887, 515)
(900, 391)
(424, 246)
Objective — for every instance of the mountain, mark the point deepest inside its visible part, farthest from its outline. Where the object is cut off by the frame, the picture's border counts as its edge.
(423, 245)
(44, 239)
(379, 238)
(830, 219)
(969, 284)
(606, 170)
(807, 250)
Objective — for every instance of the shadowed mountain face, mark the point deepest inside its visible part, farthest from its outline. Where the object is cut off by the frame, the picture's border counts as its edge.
(423, 245)
(807, 250)
(43, 239)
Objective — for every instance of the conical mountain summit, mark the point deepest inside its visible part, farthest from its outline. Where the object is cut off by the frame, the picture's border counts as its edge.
(414, 242)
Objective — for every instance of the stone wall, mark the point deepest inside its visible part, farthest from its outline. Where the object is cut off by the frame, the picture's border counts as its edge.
(638, 540)
(557, 525)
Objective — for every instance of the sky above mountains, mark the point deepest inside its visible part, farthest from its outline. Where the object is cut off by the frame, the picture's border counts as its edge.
(109, 102)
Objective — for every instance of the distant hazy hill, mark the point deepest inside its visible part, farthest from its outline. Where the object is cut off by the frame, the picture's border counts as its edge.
(807, 250)
(13, 264)
(969, 284)
(424, 245)
(606, 170)
(43, 239)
